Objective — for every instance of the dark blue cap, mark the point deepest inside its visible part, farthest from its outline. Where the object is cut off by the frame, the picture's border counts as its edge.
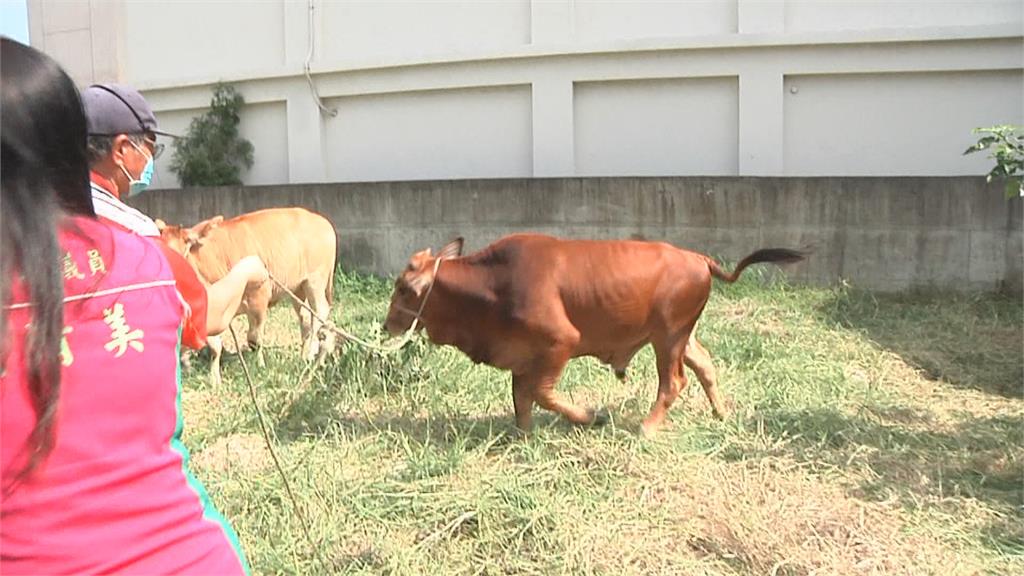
(112, 109)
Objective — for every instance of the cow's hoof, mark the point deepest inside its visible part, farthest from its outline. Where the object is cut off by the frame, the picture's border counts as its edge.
(649, 429)
(621, 375)
(311, 353)
(720, 409)
(600, 417)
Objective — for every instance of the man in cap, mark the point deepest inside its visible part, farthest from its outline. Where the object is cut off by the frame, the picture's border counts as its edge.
(122, 149)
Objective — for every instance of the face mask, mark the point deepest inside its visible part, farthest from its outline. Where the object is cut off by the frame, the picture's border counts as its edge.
(135, 187)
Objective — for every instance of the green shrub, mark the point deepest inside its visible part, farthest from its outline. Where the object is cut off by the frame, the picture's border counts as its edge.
(213, 153)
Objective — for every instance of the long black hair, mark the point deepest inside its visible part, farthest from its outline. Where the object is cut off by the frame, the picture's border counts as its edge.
(44, 175)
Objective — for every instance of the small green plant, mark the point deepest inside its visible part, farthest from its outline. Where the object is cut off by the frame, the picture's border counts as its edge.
(213, 153)
(1007, 146)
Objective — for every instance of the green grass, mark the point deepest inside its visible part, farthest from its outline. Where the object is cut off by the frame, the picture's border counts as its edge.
(870, 434)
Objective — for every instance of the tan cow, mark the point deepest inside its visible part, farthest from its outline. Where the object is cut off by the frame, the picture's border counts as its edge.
(298, 248)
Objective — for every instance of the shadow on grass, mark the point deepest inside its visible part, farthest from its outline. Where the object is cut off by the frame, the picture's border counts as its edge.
(441, 429)
(969, 341)
(321, 409)
(981, 459)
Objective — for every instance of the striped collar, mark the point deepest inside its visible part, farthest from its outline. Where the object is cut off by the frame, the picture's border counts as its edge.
(109, 207)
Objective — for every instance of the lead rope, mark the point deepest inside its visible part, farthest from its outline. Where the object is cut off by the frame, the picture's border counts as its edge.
(393, 347)
(273, 454)
(298, 511)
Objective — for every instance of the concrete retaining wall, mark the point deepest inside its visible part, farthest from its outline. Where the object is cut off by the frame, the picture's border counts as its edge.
(879, 233)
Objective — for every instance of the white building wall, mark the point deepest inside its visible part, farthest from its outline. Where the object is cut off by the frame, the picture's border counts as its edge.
(598, 20)
(411, 29)
(455, 89)
(816, 15)
(456, 133)
(876, 123)
(171, 41)
(683, 125)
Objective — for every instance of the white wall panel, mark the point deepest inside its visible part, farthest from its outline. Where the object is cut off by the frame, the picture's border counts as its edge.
(465, 133)
(73, 50)
(265, 125)
(201, 39)
(894, 124)
(610, 19)
(408, 28)
(804, 15)
(66, 16)
(657, 127)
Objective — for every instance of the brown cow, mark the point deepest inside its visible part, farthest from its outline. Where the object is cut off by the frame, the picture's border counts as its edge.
(298, 248)
(528, 303)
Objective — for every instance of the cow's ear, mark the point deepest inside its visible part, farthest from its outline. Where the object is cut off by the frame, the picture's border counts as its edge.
(192, 239)
(418, 283)
(452, 249)
(204, 228)
(160, 224)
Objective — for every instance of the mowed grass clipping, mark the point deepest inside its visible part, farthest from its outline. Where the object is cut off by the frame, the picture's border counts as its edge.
(870, 435)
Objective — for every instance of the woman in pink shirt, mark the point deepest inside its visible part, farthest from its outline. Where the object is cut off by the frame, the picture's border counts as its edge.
(94, 475)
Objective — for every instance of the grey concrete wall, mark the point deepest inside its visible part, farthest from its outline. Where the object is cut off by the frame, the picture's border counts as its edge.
(879, 233)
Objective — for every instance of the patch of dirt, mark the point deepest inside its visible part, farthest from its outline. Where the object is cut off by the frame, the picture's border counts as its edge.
(770, 517)
(237, 452)
(201, 408)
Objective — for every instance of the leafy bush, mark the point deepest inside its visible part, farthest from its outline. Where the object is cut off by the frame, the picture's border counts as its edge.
(1007, 146)
(212, 153)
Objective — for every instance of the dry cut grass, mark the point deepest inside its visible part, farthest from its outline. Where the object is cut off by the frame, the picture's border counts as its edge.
(871, 435)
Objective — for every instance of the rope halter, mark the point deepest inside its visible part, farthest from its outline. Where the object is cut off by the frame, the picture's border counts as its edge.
(418, 314)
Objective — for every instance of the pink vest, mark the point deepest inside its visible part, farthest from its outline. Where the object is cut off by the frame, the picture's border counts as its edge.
(115, 494)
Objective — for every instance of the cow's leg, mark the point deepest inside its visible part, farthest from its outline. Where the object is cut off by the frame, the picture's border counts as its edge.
(698, 360)
(256, 306)
(522, 400)
(543, 381)
(305, 321)
(323, 310)
(216, 349)
(671, 380)
(310, 340)
(254, 336)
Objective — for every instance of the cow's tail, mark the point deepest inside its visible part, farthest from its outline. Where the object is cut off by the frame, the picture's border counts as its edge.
(334, 270)
(330, 283)
(771, 255)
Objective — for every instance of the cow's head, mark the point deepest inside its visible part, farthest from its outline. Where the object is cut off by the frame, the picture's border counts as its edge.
(413, 285)
(184, 240)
